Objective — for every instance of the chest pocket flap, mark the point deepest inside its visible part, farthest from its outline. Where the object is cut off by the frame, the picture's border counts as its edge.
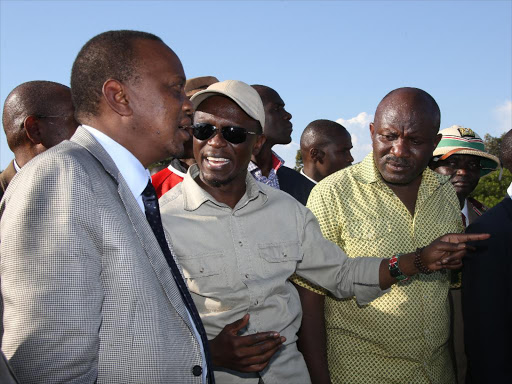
(281, 252)
(206, 265)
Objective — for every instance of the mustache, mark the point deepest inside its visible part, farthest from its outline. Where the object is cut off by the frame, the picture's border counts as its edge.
(400, 161)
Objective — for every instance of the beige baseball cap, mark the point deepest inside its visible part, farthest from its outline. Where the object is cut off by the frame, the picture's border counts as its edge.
(241, 93)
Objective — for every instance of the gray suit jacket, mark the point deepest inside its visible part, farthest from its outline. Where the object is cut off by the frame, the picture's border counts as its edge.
(87, 292)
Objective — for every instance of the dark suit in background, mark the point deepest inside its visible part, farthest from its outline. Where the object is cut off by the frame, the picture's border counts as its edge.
(293, 183)
(487, 298)
(6, 177)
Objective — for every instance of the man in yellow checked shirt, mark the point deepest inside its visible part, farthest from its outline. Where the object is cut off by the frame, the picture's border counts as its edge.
(391, 203)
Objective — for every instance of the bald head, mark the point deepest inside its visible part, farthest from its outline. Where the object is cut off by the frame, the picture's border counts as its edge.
(413, 104)
(36, 116)
(506, 150)
(325, 146)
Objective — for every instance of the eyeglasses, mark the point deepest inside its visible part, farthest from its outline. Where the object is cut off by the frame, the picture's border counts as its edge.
(235, 135)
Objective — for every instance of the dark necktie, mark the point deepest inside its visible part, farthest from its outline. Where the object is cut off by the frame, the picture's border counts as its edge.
(464, 219)
(155, 221)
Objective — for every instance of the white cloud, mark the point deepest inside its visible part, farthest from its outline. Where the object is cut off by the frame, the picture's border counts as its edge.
(503, 116)
(359, 129)
(287, 152)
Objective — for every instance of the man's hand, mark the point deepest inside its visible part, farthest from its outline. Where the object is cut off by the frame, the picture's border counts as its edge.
(447, 251)
(249, 353)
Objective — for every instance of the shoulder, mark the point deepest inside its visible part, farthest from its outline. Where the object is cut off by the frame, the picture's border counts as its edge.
(173, 199)
(497, 219)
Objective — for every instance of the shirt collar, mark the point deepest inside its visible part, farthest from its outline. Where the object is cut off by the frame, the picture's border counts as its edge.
(509, 190)
(16, 166)
(194, 196)
(277, 162)
(132, 170)
(307, 177)
(368, 173)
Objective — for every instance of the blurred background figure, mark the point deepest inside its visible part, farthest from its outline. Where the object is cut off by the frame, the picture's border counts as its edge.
(172, 171)
(461, 155)
(266, 166)
(487, 293)
(37, 115)
(325, 146)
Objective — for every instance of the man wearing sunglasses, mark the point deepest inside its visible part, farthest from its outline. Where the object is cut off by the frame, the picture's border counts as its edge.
(37, 115)
(461, 155)
(239, 240)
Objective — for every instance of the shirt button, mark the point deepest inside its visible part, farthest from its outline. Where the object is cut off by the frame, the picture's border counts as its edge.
(256, 302)
(197, 370)
(284, 254)
(201, 270)
(241, 244)
(246, 275)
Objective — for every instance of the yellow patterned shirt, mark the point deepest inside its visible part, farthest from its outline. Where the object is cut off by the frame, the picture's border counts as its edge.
(401, 337)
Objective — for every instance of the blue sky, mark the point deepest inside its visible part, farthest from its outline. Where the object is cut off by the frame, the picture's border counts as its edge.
(327, 59)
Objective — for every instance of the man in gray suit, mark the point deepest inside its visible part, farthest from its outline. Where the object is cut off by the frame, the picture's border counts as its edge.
(90, 291)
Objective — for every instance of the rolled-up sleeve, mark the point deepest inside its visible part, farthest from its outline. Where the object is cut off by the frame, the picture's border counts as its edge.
(326, 265)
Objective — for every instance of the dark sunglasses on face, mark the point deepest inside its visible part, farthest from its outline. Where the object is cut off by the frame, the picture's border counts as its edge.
(235, 135)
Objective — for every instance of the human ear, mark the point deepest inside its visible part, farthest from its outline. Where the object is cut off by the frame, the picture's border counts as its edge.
(316, 154)
(115, 95)
(259, 143)
(33, 129)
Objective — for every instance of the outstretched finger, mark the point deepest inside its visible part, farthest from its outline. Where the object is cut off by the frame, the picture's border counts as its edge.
(464, 237)
(257, 338)
(454, 257)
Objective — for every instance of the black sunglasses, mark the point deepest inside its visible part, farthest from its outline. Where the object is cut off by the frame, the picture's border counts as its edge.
(235, 135)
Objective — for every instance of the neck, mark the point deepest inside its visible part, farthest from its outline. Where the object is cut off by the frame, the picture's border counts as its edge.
(186, 163)
(229, 193)
(462, 200)
(407, 193)
(311, 172)
(264, 159)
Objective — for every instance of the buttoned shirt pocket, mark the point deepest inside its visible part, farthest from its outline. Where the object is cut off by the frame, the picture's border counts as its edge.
(202, 265)
(364, 234)
(280, 258)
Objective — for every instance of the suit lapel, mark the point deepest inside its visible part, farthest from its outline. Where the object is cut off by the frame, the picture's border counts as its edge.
(138, 221)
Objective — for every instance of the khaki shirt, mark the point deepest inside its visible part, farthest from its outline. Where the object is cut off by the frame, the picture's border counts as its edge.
(238, 261)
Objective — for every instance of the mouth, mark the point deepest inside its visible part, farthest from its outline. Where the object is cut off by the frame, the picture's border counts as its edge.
(397, 166)
(216, 162)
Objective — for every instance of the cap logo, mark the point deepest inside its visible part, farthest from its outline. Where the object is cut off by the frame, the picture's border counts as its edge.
(466, 132)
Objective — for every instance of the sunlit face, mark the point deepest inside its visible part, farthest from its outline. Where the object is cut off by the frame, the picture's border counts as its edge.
(464, 172)
(336, 155)
(157, 99)
(278, 127)
(403, 144)
(221, 162)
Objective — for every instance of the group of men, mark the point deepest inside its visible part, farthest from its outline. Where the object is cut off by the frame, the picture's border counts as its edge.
(226, 278)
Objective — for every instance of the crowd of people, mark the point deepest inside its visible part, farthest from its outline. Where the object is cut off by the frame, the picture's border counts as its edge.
(226, 266)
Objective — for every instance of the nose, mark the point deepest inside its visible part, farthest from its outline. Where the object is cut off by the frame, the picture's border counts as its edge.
(188, 108)
(287, 115)
(217, 140)
(399, 148)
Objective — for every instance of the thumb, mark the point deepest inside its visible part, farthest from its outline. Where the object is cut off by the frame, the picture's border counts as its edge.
(236, 326)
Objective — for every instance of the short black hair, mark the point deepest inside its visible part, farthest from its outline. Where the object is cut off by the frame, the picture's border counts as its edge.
(109, 55)
(33, 98)
(319, 133)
